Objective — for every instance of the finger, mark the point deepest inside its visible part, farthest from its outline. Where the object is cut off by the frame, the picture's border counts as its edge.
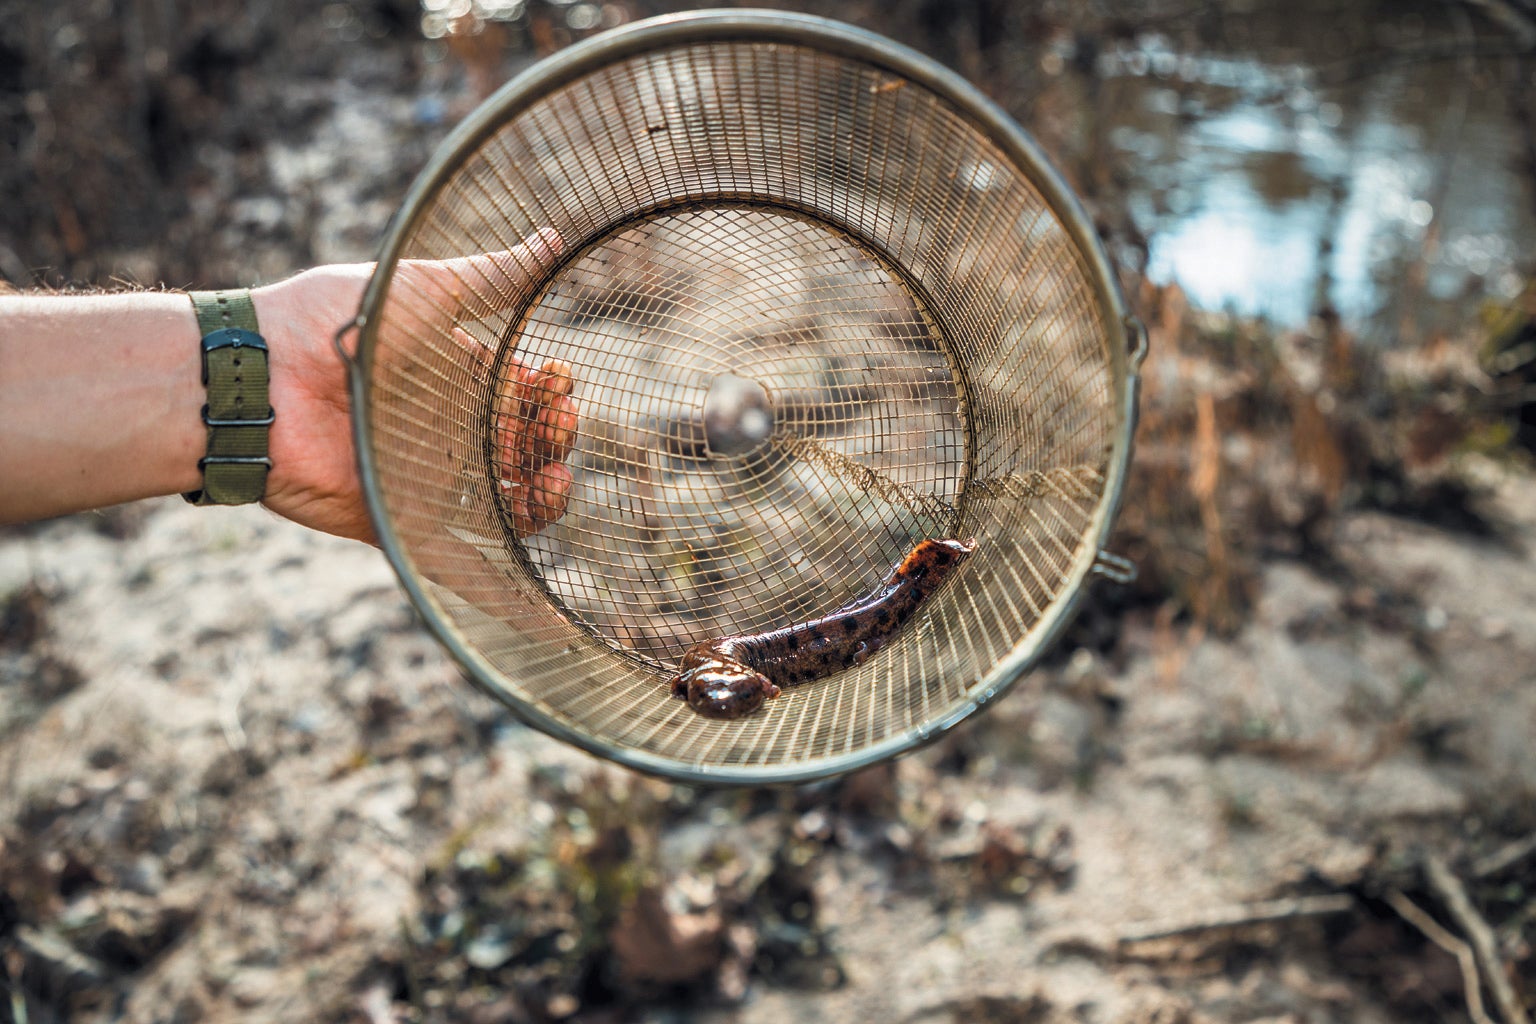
(538, 423)
(435, 293)
(553, 381)
(555, 432)
(548, 495)
(536, 504)
(478, 351)
(517, 507)
(515, 422)
(492, 282)
(550, 427)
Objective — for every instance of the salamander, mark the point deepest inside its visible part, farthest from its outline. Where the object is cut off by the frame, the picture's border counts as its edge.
(731, 676)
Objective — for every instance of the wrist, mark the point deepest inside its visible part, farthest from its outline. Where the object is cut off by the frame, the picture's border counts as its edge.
(163, 391)
(313, 480)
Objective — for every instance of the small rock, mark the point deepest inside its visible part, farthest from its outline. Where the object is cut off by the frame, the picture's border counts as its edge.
(1400, 789)
(490, 949)
(655, 945)
(562, 1005)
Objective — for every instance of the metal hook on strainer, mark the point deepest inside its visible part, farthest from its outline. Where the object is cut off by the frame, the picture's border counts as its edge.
(819, 300)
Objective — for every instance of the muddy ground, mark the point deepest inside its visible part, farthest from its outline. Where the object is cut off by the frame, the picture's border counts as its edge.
(1287, 776)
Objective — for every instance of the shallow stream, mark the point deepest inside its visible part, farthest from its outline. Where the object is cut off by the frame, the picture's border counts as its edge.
(1368, 157)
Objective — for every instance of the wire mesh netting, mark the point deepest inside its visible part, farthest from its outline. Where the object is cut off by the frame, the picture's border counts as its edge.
(813, 310)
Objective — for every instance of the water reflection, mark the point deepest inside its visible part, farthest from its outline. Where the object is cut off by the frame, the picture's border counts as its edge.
(1266, 190)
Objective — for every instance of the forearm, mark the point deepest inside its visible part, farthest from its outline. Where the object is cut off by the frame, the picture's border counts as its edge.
(101, 396)
(100, 401)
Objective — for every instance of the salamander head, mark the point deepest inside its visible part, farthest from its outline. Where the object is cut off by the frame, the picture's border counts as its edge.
(934, 555)
(723, 688)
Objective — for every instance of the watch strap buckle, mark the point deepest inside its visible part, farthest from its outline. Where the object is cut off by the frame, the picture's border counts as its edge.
(235, 373)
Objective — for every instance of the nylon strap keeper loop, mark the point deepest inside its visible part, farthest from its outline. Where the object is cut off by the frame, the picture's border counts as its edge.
(238, 416)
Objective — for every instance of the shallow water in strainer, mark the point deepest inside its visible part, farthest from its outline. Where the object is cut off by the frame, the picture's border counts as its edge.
(668, 540)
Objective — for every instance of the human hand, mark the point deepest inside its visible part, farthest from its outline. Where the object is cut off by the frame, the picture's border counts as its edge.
(536, 427)
(314, 479)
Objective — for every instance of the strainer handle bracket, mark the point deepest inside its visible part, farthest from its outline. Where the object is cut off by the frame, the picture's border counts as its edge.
(1115, 568)
(1136, 335)
(347, 358)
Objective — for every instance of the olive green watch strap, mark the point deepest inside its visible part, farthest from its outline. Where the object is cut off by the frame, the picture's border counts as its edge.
(238, 413)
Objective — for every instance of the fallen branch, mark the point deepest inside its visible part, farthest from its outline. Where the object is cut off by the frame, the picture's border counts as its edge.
(1431, 929)
(63, 964)
(1243, 915)
(1504, 858)
(1453, 895)
(1510, 17)
(1350, 70)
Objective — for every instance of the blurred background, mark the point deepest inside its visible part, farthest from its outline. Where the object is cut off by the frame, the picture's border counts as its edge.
(1286, 775)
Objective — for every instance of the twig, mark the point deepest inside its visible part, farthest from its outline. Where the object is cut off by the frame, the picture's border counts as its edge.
(1347, 71)
(1458, 904)
(1511, 17)
(1243, 914)
(1515, 397)
(18, 998)
(1415, 278)
(229, 710)
(1504, 858)
(68, 966)
(1430, 928)
(918, 503)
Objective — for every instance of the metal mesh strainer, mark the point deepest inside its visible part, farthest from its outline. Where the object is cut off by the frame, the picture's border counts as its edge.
(820, 299)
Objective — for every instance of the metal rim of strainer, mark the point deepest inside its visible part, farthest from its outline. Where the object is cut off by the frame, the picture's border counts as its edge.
(838, 39)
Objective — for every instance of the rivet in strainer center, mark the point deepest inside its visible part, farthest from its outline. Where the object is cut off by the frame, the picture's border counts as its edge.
(738, 416)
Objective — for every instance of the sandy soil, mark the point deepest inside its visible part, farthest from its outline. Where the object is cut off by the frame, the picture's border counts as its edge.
(237, 770)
